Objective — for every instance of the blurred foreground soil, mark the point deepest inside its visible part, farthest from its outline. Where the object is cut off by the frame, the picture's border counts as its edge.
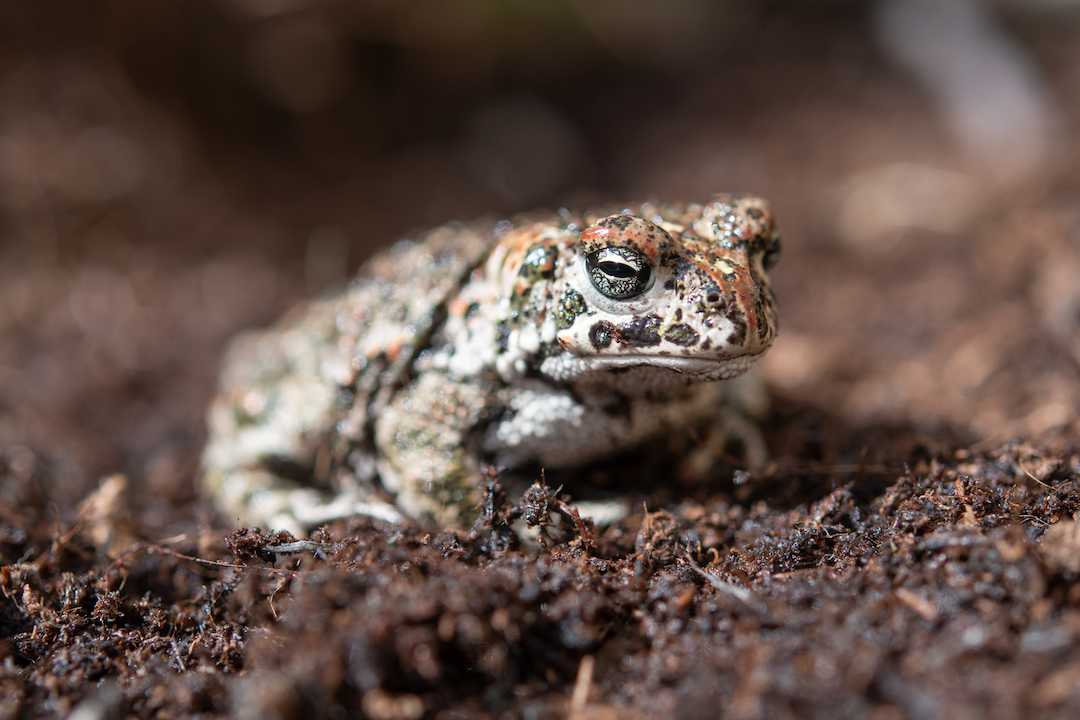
(172, 173)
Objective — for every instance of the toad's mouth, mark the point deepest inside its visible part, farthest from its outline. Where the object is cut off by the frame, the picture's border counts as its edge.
(697, 368)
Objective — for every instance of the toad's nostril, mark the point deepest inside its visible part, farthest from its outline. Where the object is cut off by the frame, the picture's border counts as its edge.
(713, 298)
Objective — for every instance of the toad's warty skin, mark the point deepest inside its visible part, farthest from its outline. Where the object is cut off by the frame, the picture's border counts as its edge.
(553, 339)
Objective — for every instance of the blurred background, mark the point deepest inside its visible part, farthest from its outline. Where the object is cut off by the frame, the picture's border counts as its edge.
(174, 171)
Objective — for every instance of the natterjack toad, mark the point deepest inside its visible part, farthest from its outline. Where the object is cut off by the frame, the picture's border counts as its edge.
(557, 339)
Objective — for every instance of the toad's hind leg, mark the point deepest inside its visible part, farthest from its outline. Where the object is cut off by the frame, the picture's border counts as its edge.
(428, 452)
(259, 497)
(268, 460)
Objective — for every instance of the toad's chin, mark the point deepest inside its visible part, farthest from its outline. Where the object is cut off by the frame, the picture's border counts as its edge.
(650, 368)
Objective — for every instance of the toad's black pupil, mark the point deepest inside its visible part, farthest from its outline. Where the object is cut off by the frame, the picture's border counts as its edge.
(619, 273)
(619, 270)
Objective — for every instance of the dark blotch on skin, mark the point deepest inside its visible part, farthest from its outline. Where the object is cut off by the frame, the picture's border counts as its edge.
(681, 335)
(642, 332)
(619, 222)
(601, 334)
(732, 313)
(502, 335)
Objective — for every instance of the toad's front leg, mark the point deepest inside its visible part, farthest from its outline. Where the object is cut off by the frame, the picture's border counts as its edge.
(428, 452)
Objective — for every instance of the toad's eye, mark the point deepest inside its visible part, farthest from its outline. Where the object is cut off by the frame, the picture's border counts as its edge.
(619, 273)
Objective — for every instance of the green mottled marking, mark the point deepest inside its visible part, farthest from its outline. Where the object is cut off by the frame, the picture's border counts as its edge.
(537, 269)
(680, 335)
(451, 487)
(539, 263)
(569, 307)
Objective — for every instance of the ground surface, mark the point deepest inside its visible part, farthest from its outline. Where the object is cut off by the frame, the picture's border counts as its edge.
(172, 174)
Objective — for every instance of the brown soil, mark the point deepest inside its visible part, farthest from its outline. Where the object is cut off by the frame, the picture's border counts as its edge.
(171, 173)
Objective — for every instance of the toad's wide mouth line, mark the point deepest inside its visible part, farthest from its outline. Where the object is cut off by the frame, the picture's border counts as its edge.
(696, 367)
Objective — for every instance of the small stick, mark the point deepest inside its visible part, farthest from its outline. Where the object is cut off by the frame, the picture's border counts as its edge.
(582, 684)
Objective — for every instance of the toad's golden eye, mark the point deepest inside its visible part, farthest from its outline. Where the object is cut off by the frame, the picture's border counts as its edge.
(619, 273)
